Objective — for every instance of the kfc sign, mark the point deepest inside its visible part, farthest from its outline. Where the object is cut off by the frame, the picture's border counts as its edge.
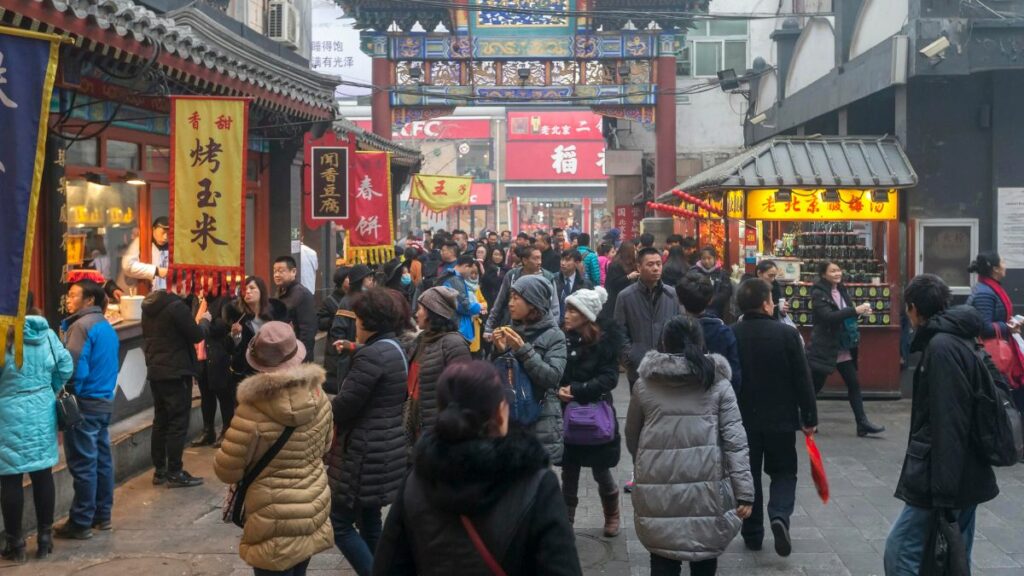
(439, 129)
(570, 160)
(574, 125)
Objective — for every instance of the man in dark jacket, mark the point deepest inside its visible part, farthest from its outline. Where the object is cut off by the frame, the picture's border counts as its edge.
(695, 293)
(170, 334)
(943, 472)
(94, 347)
(643, 309)
(549, 256)
(299, 301)
(776, 399)
(569, 279)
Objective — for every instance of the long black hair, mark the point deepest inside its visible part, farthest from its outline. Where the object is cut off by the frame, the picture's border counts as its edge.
(683, 336)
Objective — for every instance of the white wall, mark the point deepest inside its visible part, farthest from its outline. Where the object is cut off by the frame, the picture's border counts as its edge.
(814, 57)
(878, 20)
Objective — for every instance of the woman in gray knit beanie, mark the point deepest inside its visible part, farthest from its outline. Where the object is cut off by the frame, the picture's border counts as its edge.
(536, 342)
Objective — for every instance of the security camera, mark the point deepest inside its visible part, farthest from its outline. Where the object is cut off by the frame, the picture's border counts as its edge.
(759, 118)
(936, 48)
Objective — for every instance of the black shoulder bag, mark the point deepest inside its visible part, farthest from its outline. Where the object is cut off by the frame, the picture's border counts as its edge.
(69, 414)
(234, 507)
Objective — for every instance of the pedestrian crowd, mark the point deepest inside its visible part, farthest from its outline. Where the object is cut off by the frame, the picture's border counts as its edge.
(459, 377)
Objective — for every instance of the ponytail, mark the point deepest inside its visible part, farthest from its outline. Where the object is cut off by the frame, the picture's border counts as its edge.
(468, 395)
(683, 336)
(984, 263)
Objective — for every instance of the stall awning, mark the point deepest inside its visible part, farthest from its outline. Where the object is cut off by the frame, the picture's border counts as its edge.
(798, 162)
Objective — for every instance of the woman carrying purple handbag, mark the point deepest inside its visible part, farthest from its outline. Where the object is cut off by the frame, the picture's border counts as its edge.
(591, 428)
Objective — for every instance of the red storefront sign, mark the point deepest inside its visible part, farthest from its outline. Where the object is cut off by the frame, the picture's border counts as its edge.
(481, 194)
(569, 125)
(439, 129)
(627, 220)
(578, 160)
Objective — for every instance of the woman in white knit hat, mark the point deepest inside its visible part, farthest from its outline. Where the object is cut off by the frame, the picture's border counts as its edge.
(591, 427)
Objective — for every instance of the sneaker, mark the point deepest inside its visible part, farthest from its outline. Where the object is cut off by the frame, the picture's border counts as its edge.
(102, 525)
(159, 477)
(183, 480)
(628, 488)
(783, 545)
(72, 531)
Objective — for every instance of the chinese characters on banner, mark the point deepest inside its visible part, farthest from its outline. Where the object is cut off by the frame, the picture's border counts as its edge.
(28, 64)
(329, 182)
(370, 229)
(809, 206)
(578, 160)
(561, 125)
(208, 155)
(439, 193)
(628, 219)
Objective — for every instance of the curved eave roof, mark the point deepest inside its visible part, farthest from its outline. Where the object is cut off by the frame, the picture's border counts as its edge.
(823, 162)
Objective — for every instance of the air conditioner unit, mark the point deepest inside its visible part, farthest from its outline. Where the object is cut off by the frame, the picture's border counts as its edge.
(283, 23)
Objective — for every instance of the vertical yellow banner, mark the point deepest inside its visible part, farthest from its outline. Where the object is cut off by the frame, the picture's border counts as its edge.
(208, 161)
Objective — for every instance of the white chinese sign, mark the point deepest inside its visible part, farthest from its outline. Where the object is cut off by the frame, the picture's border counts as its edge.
(1010, 226)
(335, 49)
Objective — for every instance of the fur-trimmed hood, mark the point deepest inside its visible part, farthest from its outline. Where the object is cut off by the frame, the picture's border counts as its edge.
(288, 397)
(675, 370)
(471, 476)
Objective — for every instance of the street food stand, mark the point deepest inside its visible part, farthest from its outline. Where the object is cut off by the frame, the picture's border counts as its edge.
(800, 201)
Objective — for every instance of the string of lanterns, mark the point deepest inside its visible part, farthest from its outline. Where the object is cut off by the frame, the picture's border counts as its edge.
(673, 210)
(697, 202)
(683, 212)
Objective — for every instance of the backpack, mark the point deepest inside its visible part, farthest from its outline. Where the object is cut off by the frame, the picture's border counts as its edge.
(524, 409)
(996, 426)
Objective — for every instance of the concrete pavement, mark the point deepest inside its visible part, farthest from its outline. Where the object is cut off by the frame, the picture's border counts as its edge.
(163, 532)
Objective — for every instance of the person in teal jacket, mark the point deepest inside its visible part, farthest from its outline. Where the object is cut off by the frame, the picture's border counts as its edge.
(591, 263)
(28, 433)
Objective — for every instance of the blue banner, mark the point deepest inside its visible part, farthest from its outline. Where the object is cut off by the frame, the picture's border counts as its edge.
(28, 64)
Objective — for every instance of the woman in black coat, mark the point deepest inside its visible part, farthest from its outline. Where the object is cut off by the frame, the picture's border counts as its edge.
(366, 463)
(215, 382)
(834, 339)
(592, 372)
(471, 476)
(494, 274)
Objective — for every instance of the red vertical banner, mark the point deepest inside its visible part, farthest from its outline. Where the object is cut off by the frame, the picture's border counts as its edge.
(370, 229)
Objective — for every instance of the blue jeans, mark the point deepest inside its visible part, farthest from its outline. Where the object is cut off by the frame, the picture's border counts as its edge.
(357, 547)
(87, 448)
(904, 548)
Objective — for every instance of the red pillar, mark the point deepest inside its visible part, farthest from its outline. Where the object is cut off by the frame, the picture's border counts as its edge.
(380, 102)
(665, 126)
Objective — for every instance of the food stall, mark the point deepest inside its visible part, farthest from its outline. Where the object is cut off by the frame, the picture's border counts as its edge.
(800, 201)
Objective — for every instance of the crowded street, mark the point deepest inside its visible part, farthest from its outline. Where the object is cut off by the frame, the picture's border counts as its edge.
(162, 532)
(511, 287)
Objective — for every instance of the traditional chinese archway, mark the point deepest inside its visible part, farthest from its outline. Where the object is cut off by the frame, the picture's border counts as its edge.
(527, 52)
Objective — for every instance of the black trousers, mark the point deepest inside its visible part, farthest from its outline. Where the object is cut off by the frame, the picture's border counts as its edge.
(216, 389)
(661, 566)
(172, 405)
(848, 371)
(12, 500)
(775, 452)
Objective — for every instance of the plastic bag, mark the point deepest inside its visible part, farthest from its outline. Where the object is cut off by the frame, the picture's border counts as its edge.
(817, 468)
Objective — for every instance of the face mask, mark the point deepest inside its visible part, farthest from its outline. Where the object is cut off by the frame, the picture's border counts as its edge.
(406, 279)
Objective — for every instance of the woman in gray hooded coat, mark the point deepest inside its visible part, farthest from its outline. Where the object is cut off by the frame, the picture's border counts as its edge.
(539, 346)
(692, 467)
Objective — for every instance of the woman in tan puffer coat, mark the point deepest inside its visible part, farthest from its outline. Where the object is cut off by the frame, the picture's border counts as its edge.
(287, 507)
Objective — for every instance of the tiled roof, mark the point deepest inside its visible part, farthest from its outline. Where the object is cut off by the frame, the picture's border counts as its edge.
(825, 162)
(197, 38)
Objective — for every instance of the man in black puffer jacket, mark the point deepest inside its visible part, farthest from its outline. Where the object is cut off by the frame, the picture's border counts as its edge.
(943, 471)
(170, 333)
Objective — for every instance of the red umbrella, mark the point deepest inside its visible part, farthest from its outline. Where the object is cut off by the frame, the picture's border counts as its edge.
(817, 469)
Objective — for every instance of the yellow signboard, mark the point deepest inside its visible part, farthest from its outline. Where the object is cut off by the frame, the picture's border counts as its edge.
(810, 206)
(734, 204)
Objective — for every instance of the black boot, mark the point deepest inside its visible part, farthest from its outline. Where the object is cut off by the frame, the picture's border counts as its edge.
(15, 548)
(207, 439)
(570, 506)
(865, 427)
(44, 542)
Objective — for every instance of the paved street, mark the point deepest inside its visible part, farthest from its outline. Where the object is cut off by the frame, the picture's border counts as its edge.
(161, 532)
